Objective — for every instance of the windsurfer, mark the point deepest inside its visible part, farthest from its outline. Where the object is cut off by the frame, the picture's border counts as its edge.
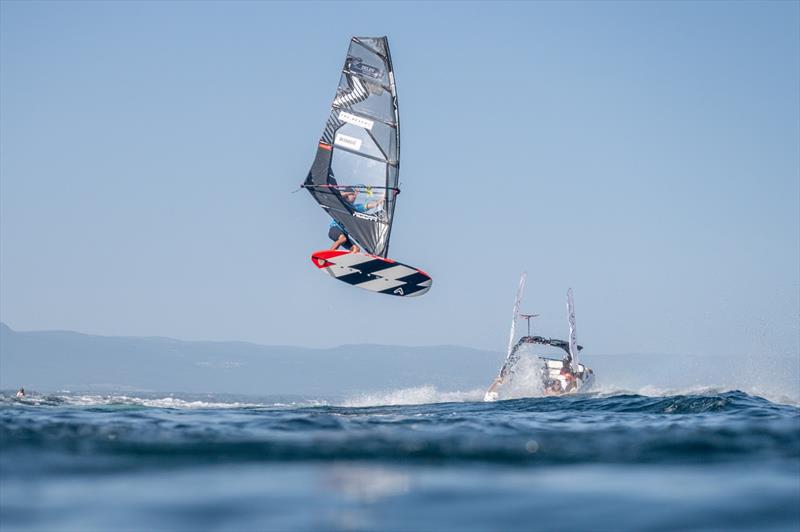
(337, 233)
(21, 392)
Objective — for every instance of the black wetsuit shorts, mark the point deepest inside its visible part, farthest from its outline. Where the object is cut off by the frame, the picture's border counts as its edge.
(334, 233)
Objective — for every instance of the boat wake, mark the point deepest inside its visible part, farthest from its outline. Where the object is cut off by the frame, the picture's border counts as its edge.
(430, 395)
(413, 396)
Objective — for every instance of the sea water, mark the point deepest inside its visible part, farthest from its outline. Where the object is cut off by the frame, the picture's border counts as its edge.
(404, 460)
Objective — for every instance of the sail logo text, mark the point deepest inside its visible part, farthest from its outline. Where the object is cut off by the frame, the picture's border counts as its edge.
(359, 67)
(344, 116)
(370, 217)
(347, 142)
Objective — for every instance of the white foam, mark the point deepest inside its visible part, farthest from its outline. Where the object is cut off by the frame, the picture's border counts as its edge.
(164, 402)
(526, 380)
(413, 396)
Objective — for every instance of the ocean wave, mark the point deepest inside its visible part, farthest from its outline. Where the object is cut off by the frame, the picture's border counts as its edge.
(122, 400)
(697, 390)
(646, 399)
(431, 395)
(150, 401)
(532, 431)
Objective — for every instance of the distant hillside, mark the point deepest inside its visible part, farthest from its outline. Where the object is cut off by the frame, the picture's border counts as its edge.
(61, 360)
(56, 360)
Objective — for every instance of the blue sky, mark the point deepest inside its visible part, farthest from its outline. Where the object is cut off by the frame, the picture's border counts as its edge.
(645, 154)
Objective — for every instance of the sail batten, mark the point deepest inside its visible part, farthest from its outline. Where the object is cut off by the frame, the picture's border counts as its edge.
(367, 79)
(360, 40)
(379, 159)
(363, 114)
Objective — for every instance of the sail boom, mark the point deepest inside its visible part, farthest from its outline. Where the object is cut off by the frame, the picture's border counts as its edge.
(330, 188)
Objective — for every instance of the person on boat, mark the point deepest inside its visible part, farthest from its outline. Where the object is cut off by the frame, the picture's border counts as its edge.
(337, 233)
(553, 387)
(21, 392)
(570, 382)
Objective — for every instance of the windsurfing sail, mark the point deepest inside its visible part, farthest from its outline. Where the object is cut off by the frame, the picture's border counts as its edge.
(573, 343)
(517, 301)
(491, 395)
(354, 176)
(511, 354)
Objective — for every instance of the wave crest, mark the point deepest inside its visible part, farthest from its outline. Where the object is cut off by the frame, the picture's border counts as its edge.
(412, 396)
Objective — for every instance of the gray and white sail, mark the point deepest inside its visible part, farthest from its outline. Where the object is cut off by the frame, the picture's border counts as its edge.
(360, 147)
(515, 315)
(511, 353)
(573, 342)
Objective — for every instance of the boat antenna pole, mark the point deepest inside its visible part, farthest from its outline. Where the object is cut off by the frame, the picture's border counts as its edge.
(528, 317)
